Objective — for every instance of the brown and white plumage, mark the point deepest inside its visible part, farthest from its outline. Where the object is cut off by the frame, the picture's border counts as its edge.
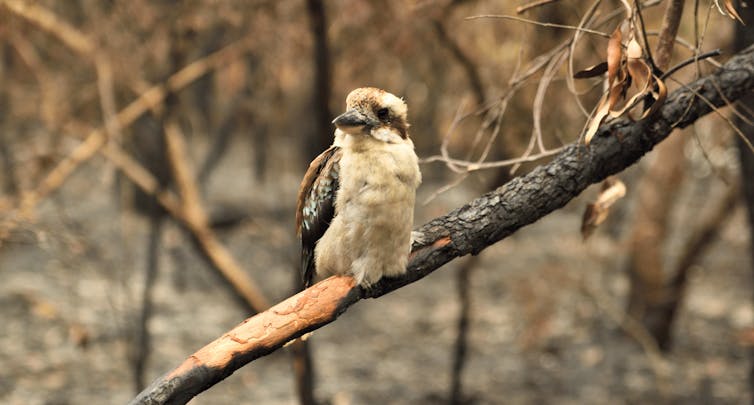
(315, 207)
(356, 202)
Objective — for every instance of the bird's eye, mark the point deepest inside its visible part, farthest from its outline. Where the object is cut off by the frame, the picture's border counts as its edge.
(383, 114)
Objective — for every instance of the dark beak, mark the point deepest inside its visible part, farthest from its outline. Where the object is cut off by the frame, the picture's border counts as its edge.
(350, 119)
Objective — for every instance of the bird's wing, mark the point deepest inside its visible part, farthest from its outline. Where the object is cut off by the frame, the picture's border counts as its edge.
(315, 207)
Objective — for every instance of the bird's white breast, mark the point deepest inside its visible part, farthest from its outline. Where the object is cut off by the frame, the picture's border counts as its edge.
(370, 234)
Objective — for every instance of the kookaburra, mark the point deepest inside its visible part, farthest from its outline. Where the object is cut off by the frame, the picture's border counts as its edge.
(355, 206)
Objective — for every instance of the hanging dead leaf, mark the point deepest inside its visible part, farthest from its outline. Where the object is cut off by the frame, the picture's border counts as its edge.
(634, 50)
(732, 13)
(633, 100)
(618, 82)
(602, 110)
(596, 213)
(607, 103)
(638, 69)
(620, 88)
(660, 95)
(611, 191)
(614, 55)
(592, 71)
(627, 106)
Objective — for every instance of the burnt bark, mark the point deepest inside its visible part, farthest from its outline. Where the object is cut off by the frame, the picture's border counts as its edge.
(466, 230)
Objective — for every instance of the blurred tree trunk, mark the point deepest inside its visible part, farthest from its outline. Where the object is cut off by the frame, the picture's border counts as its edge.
(317, 140)
(745, 36)
(322, 134)
(657, 190)
(10, 184)
(150, 148)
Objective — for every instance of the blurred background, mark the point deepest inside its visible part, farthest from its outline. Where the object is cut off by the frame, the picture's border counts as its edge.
(217, 107)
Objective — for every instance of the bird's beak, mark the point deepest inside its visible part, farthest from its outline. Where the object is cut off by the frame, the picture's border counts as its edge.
(351, 121)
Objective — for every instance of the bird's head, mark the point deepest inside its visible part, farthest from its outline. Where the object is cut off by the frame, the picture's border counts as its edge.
(376, 113)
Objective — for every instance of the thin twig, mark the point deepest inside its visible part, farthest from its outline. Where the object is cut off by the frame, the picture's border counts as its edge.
(107, 97)
(149, 99)
(694, 59)
(539, 98)
(717, 111)
(468, 65)
(474, 166)
(458, 180)
(50, 22)
(642, 26)
(542, 24)
(179, 162)
(448, 134)
(570, 81)
(194, 217)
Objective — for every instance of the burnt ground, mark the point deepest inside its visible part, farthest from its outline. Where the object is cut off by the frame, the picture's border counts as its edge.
(546, 318)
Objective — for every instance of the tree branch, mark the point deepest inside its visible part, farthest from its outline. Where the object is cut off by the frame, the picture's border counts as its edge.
(467, 230)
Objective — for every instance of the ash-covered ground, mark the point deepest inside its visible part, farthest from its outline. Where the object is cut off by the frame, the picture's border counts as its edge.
(546, 322)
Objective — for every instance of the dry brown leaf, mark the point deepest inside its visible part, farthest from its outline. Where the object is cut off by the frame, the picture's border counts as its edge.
(732, 11)
(620, 76)
(591, 71)
(618, 91)
(627, 106)
(607, 102)
(660, 95)
(635, 98)
(634, 50)
(637, 67)
(640, 72)
(612, 190)
(596, 213)
(602, 110)
(588, 221)
(617, 80)
(614, 55)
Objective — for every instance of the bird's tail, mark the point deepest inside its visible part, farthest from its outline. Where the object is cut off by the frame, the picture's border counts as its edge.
(307, 266)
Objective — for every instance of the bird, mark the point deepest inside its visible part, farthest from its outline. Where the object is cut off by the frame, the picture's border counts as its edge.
(355, 206)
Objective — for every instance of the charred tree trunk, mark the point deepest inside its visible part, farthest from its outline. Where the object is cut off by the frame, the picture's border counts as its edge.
(150, 148)
(10, 184)
(460, 349)
(319, 140)
(321, 137)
